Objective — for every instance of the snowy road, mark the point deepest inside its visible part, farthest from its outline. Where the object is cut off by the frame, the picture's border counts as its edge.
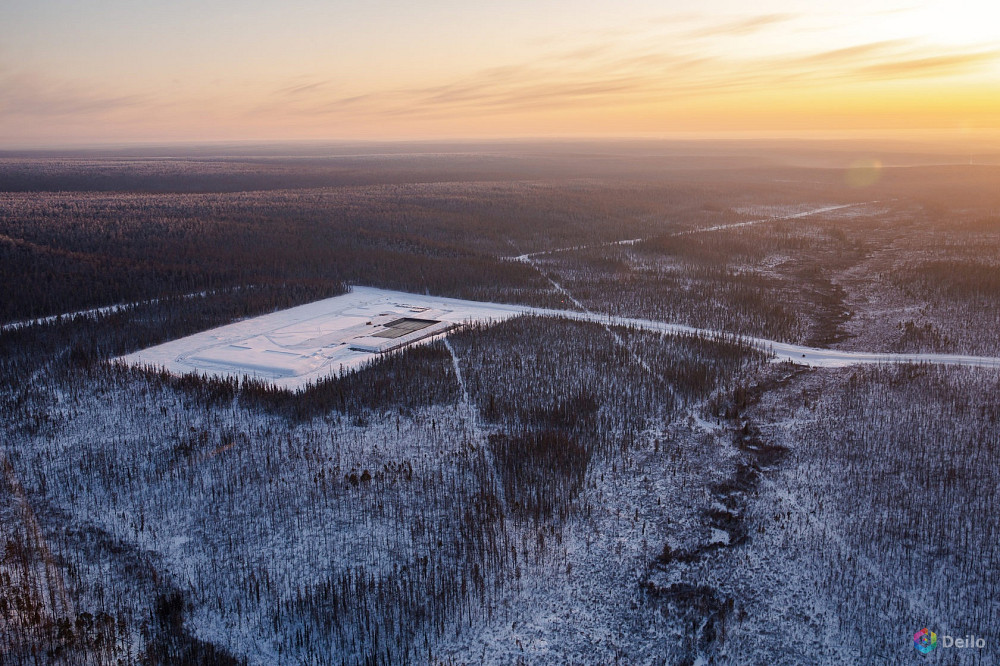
(527, 257)
(750, 223)
(295, 347)
(93, 313)
(784, 351)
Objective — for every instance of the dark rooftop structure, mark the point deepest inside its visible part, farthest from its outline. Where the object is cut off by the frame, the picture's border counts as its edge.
(400, 327)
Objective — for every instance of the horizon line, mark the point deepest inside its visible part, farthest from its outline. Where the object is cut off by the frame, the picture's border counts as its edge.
(888, 135)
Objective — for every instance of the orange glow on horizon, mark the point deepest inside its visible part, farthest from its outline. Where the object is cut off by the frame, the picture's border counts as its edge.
(313, 73)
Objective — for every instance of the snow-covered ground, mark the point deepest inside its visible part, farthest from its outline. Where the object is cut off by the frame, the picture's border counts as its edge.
(298, 346)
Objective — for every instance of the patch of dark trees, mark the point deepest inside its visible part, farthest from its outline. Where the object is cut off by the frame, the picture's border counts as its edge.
(168, 642)
(398, 382)
(541, 471)
(703, 611)
(69, 252)
(91, 232)
(563, 392)
(32, 635)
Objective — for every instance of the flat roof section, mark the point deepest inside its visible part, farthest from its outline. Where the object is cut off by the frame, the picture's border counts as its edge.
(400, 327)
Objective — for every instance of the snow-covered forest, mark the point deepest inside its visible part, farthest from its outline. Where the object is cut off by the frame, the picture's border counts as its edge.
(533, 490)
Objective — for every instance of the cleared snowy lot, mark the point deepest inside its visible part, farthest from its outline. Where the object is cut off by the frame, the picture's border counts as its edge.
(301, 345)
(295, 347)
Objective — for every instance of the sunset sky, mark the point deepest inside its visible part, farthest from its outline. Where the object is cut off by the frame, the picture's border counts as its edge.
(120, 70)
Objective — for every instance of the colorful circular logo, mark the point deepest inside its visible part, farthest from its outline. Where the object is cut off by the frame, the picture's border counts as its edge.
(924, 640)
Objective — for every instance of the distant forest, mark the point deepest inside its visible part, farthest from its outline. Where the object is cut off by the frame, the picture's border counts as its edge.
(655, 498)
(259, 232)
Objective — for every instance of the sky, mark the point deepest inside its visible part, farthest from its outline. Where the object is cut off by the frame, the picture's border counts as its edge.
(119, 71)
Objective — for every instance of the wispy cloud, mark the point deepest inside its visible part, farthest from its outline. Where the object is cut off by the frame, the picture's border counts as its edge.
(303, 88)
(930, 66)
(859, 52)
(601, 75)
(741, 26)
(32, 95)
(686, 62)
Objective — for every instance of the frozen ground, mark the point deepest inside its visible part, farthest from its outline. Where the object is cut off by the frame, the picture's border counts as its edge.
(296, 347)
